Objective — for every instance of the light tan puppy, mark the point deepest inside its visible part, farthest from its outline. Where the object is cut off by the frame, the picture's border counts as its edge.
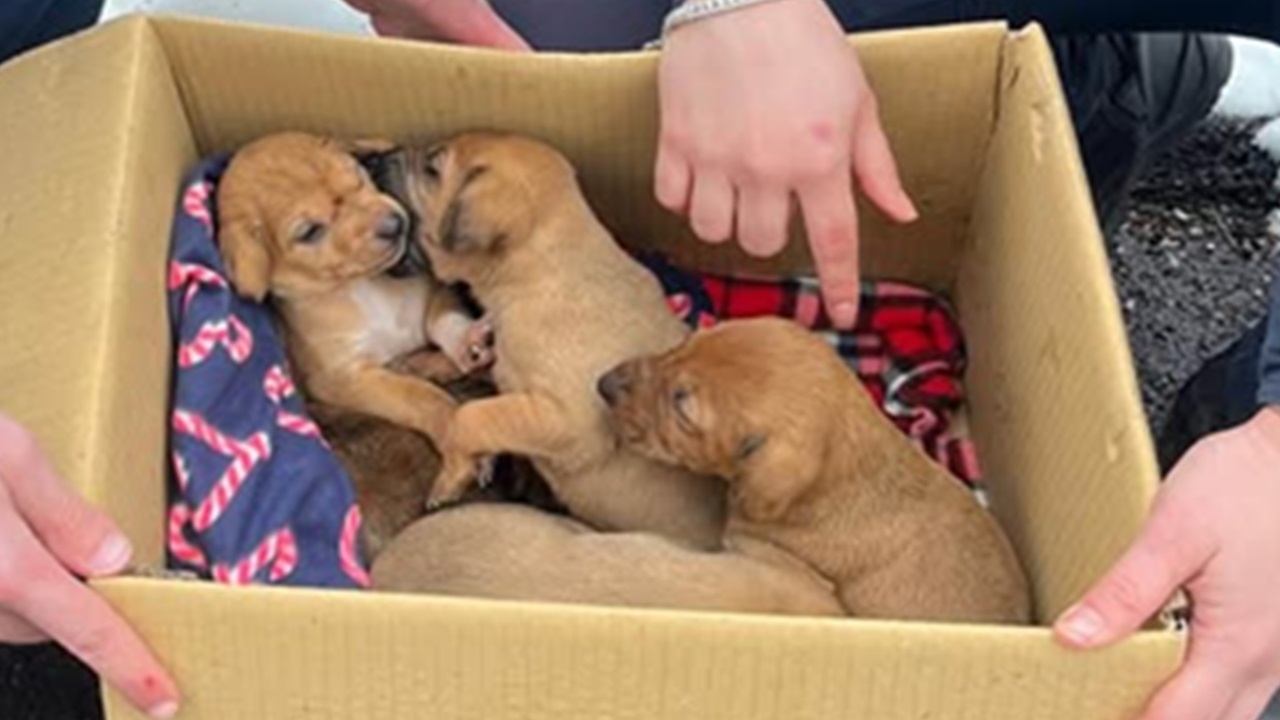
(816, 469)
(511, 552)
(505, 215)
(301, 220)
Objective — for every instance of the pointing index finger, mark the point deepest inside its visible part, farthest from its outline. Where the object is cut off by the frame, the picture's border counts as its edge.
(831, 223)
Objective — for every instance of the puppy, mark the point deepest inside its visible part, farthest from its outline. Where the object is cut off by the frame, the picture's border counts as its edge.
(301, 220)
(505, 215)
(511, 552)
(815, 468)
(392, 468)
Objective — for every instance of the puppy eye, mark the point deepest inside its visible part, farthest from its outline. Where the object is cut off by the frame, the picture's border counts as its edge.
(310, 232)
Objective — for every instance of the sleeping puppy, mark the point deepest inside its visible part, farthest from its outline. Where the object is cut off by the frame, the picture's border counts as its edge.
(815, 468)
(301, 220)
(505, 215)
(511, 552)
(391, 468)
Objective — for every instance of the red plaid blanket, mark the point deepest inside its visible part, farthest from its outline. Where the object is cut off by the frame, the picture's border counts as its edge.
(907, 347)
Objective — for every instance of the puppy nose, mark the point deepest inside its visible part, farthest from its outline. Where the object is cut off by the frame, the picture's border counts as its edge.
(392, 227)
(611, 386)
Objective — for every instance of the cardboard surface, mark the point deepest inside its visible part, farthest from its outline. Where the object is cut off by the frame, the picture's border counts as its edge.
(303, 655)
(98, 132)
(97, 147)
(1056, 413)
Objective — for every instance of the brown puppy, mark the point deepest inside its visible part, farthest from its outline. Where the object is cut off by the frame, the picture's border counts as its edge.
(391, 469)
(511, 552)
(815, 468)
(505, 215)
(300, 219)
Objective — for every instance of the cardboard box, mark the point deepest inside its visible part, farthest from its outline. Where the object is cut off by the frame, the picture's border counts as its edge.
(96, 132)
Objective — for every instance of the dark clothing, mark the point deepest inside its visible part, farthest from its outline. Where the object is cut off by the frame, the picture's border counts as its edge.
(1257, 18)
(24, 24)
(1228, 389)
(1268, 372)
(622, 24)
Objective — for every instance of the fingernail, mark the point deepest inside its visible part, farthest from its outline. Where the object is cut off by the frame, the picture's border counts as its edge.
(111, 556)
(912, 214)
(1082, 625)
(844, 315)
(164, 711)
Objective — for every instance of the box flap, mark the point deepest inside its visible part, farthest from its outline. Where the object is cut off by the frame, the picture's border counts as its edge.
(301, 655)
(1057, 415)
(84, 355)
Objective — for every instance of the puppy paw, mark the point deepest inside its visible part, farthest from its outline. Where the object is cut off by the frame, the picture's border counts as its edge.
(457, 473)
(475, 350)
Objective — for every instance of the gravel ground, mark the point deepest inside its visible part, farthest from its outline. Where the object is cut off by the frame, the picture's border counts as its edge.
(44, 683)
(1191, 270)
(1191, 263)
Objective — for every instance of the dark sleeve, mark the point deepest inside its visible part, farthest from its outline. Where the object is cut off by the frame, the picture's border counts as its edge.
(1269, 362)
(24, 24)
(1255, 18)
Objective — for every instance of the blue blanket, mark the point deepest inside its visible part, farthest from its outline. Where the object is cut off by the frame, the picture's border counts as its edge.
(255, 495)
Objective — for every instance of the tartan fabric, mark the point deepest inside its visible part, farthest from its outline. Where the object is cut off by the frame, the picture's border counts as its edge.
(907, 347)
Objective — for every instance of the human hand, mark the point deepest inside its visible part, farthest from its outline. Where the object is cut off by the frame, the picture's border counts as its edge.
(469, 22)
(48, 534)
(1214, 530)
(763, 104)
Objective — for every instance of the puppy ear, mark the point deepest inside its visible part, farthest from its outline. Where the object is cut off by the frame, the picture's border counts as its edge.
(461, 233)
(248, 264)
(779, 474)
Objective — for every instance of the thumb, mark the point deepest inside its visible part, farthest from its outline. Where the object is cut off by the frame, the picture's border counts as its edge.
(80, 535)
(1170, 550)
(877, 170)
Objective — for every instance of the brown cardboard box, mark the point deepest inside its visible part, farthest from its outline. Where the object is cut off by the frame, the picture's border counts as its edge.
(96, 132)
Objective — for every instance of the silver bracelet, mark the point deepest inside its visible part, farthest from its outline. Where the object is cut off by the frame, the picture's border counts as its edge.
(696, 10)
